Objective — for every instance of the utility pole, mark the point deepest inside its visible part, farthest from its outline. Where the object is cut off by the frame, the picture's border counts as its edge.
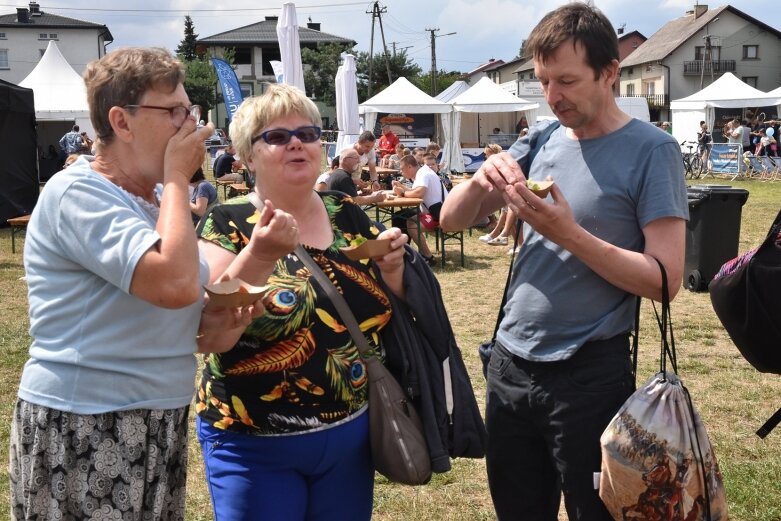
(707, 51)
(393, 44)
(434, 58)
(376, 13)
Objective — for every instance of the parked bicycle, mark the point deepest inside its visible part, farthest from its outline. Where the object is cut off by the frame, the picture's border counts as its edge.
(692, 163)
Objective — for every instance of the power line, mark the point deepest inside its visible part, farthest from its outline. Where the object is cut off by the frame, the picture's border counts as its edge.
(241, 10)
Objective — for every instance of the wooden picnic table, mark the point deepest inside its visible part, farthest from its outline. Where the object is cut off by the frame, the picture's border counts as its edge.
(18, 225)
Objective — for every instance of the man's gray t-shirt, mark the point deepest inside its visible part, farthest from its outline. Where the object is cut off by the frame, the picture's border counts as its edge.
(615, 185)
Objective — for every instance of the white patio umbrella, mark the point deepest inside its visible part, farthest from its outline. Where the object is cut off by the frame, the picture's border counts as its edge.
(347, 103)
(290, 47)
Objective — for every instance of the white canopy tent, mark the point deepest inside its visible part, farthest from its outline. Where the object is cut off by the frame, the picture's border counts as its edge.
(60, 94)
(400, 97)
(452, 158)
(726, 92)
(485, 96)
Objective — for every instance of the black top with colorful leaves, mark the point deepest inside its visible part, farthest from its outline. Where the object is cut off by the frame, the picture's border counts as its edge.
(296, 367)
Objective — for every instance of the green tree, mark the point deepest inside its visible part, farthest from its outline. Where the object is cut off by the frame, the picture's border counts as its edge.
(522, 51)
(186, 48)
(400, 66)
(200, 84)
(320, 76)
(444, 80)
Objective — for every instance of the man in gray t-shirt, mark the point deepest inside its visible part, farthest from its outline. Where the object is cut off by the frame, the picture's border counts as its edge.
(561, 367)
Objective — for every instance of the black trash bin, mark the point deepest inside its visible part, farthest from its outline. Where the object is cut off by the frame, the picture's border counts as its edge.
(712, 233)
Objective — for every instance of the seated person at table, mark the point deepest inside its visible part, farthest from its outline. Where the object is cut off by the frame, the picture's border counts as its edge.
(430, 160)
(365, 149)
(321, 185)
(387, 142)
(427, 186)
(341, 180)
(224, 165)
(392, 160)
(419, 153)
(204, 195)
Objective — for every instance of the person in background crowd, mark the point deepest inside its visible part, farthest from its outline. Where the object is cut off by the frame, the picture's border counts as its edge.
(667, 127)
(87, 144)
(426, 185)
(321, 185)
(392, 161)
(115, 293)
(225, 164)
(704, 143)
(418, 153)
(746, 136)
(734, 132)
(282, 405)
(522, 124)
(341, 179)
(505, 225)
(365, 148)
(561, 367)
(51, 153)
(430, 160)
(204, 195)
(386, 145)
(70, 143)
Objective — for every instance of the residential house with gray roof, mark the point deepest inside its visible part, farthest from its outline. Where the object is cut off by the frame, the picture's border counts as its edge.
(688, 53)
(24, 36)
(256, 46)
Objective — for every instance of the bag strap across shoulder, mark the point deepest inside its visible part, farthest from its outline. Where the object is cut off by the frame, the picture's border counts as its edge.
(336, 299)
(542, 138)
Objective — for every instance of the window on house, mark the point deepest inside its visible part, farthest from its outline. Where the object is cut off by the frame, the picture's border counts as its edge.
(750, 52)
(650, 89)
(630, 89)
(715, 53)
(41, 52)
(243, 56)
(43, 36)
(4, 59)
(52, 36)
(630, 71)
(246, 89)
(2, 36)
(270, 55)
(751, 81)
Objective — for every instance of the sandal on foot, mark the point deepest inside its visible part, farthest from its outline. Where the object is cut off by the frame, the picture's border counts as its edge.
(499, 240)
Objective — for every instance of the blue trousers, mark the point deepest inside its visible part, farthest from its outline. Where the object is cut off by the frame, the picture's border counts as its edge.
(325, 475)
(544, 420)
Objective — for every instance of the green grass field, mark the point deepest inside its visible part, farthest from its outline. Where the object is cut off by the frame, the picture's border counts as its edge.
(731, 396)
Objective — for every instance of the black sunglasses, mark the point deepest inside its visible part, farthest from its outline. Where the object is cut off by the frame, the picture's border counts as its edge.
(281, 136)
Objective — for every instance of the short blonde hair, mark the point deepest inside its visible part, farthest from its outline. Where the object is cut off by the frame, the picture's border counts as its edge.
(255, 113)
(492, 149)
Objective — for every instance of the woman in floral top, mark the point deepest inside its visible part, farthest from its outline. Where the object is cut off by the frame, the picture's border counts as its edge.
(281, 405)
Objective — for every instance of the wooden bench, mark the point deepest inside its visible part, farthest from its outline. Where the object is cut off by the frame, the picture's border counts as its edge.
(18, 225)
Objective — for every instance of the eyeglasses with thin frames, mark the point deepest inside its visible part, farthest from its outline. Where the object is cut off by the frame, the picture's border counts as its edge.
(178, 114)
(281, 136)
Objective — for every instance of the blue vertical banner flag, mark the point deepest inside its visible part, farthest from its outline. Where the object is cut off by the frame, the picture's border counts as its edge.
(231, 92)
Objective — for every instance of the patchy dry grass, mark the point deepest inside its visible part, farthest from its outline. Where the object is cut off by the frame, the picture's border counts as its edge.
(732, 398)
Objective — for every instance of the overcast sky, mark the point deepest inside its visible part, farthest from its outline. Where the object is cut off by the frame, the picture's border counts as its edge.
(484, 28)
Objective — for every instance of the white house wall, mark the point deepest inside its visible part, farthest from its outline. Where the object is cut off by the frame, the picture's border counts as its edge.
(733, 33)
(78, 46)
